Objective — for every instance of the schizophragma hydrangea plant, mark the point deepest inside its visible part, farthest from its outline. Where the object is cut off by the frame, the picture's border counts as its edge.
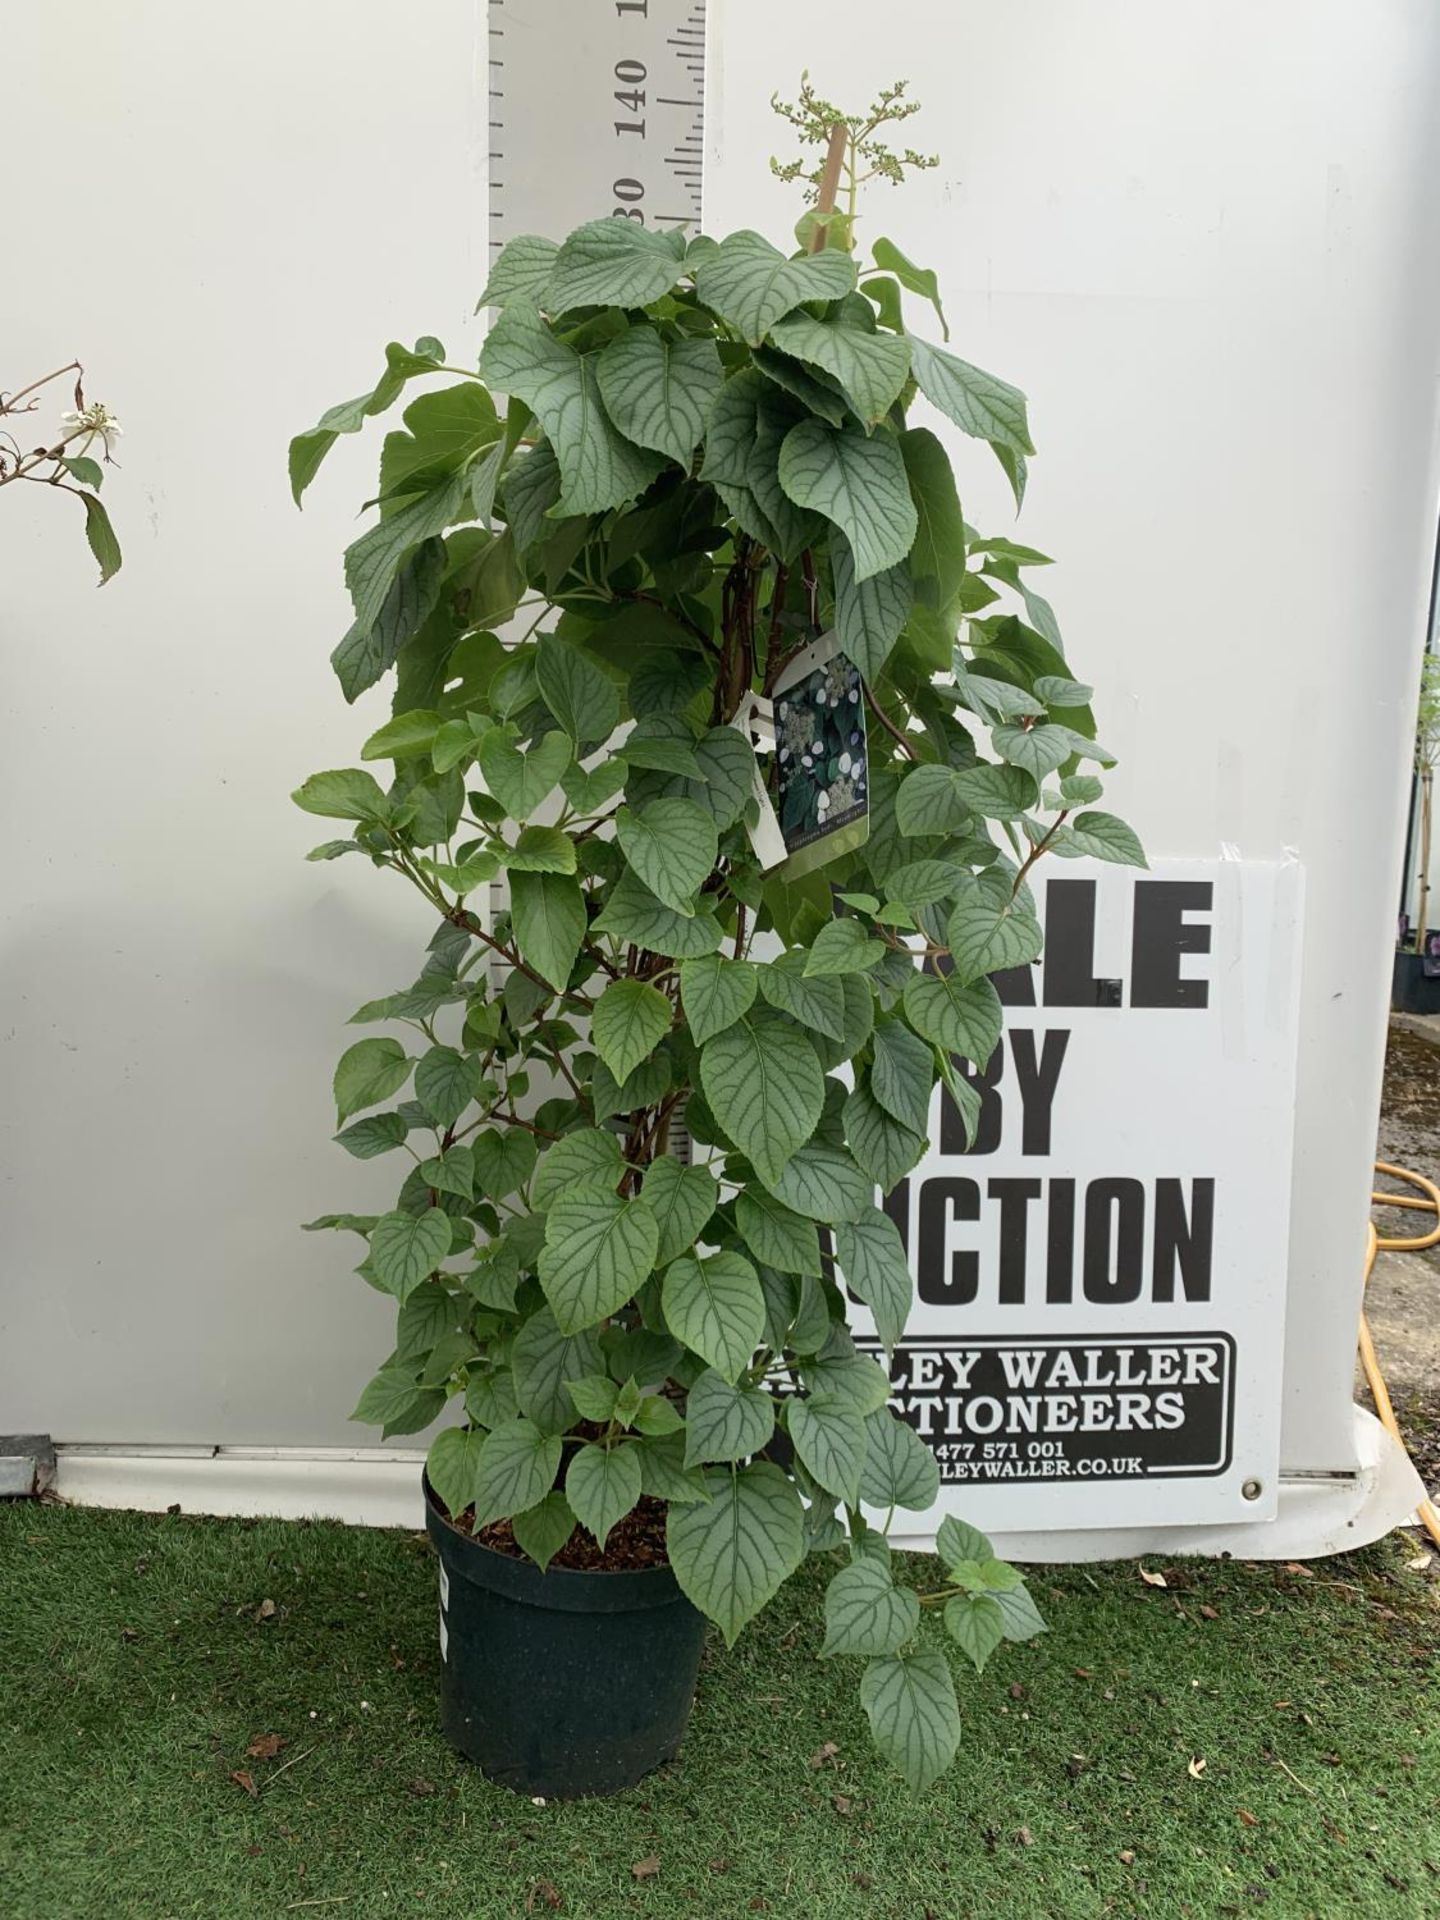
(645, 1093)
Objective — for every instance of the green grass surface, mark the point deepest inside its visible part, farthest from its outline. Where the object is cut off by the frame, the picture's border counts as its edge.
(138, 1662)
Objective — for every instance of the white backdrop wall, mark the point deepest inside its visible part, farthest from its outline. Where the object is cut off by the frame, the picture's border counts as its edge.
(1201, 238)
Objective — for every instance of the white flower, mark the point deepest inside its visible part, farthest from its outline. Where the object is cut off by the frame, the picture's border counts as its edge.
(844, 763)
(96, 419)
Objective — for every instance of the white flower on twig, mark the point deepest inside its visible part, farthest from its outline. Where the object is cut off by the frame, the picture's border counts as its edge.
(97, 421)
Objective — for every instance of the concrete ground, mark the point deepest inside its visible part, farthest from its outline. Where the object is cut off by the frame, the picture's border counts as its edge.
(1403, 1299)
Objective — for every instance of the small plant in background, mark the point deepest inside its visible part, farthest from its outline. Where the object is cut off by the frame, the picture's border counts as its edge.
(646, 1104)
(66, 461)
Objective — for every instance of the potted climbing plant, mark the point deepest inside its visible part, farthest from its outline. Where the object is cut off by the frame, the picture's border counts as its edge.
(720, 755)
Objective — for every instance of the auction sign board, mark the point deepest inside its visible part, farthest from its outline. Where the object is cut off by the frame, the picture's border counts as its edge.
(1099, 1273)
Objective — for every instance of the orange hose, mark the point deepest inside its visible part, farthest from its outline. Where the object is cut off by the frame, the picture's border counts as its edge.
(1377, 1243)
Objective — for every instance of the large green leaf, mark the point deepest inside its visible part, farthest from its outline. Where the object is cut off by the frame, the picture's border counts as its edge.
(599, 469)
(763, 1082)
(869, 614)
(869, 1253)
(536, 850)
(858, 483)
(823, 1183)
(547, 914)
(633, 915)
(602, 1484)
(866, 1613)
(714, 993)
(446, 1081)
(984, 936)
(886, 1150)
(841, 947)
(929, 802)
(368, 1073)
(629, 1022)
(504, 1159)
(406, 1248)
(672, 845)
(576, 691)
(521, 271)
(976, 1624)
(342, 793)
(544, 1529)
(899, 1470)
(829, 1436)
(909, 1699)
(1020, 1613)
(392, 1400)
(819, 1004)
(921, 280)
(516, 1469)
(659, 392)
(999, 793)
(725, 1422)
(963, 1019)
(307, 450)
(366, 653)
(870, 368)
(612, 263)
(372, 561)
(542, 1360)
(777, 1237)
(751, 284)
(452, 1467)
(376, 1134)
(598, 1248)
(714, 1304)
(682, 1200)
(1104, 837)
(520, 780)
(938, 554)
(731, 1555)
(588, 1157)
(977, 402)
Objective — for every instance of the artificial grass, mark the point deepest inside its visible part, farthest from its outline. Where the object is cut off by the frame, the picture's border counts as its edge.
(141, 1655)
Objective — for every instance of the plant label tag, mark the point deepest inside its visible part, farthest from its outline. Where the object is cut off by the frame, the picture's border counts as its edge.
(755, 720)
(821, 769)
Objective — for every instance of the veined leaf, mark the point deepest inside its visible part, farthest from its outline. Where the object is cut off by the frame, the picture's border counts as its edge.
(843, 946)
(732, 1554)
(866, 1613)
(777, 1237)
(938, 553)
(598, 1248)
(576, 691)
(984, 937)
(871, 368)
(869, 614)
(589, 1157)
(724, 1422)
(372, 561)
(521, 272)
(829, 1437)
(672, 845)
(602, 1484)
(714, 993)
(599, 469)
(307, 450)
(368, 1073)
(682, 1200)
(547, 914)
(516, 1469)
(763, 1082)
(978, 403)
(543, 1530)
(446, 1081)
(543, 1360)
(909, 1700)
(921, 280)
(886, 1150)
(406, 1248)
(659, 392)
(452, 1467)
(520, 780)
(612, 263)
(633, 915)
(902, 1075)
(823, 1183)
(751, 284)
(1104, 837)
(858, 483)
(963, 1019)
(869, 1254)
(629, 1022)
(975, 1623)
(714, 1304)
(899, 1469)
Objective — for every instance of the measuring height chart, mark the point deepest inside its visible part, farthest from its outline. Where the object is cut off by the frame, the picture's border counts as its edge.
(1100, 1272)
(596, 109)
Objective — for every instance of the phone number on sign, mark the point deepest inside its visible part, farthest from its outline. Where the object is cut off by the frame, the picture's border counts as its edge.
(1032, 1460)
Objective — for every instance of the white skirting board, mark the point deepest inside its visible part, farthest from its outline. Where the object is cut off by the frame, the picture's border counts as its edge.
(380, 1487)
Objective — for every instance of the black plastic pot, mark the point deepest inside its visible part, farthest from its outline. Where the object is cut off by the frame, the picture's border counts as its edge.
(560, 1684)
(1410, 989)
